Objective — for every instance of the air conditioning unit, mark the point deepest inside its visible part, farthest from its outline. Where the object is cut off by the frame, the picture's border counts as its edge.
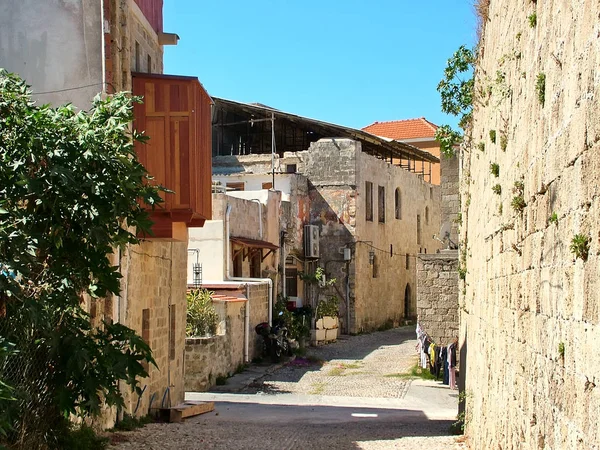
(311, 241)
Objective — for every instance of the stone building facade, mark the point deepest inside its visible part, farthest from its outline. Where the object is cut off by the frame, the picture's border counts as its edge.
(333, 180)
(529, 303)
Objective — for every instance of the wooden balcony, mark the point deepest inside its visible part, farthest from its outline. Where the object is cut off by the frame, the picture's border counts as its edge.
(176, 116)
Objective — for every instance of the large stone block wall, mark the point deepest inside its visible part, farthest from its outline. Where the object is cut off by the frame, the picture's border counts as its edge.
(530, 310)
(154, 277)
(207, 358)
(437, 295)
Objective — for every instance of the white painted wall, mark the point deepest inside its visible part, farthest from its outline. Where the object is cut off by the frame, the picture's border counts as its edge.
(210, 241)
(254, 182)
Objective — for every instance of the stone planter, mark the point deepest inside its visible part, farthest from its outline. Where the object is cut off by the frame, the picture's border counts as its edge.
(326, 330)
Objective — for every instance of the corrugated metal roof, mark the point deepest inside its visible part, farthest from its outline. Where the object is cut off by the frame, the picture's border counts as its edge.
(387, 147)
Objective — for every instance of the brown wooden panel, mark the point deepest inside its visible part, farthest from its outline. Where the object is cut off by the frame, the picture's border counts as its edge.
(154, 151)
(176, 116)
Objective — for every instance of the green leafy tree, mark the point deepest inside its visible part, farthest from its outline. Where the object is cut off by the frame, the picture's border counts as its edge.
(456, 92)
(202, 318)
(70, 183)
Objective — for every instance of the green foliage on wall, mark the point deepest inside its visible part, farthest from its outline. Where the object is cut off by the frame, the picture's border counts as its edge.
(580, 246)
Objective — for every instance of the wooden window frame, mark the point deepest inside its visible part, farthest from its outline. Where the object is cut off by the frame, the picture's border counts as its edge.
(368, 201)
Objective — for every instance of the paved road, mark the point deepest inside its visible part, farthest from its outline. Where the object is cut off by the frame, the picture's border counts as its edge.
(347, 395)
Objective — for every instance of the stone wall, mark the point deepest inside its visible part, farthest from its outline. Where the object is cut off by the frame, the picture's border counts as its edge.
(386, 289)
(207, 358)
(437, 295)
(258, 295)
(153, 290)
(450, 203)
(530, 310)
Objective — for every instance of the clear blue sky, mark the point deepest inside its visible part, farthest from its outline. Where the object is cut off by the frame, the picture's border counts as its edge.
(350, 62)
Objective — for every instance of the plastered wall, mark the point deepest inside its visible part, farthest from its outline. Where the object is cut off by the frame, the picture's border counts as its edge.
(529, 306)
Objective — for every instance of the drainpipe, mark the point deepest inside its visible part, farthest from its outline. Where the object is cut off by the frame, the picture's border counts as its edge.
(230, 278)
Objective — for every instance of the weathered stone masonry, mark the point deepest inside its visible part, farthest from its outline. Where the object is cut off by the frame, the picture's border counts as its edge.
(530, 310)
(437, 294)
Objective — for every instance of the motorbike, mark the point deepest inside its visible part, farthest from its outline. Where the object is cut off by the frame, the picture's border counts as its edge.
(276, 341)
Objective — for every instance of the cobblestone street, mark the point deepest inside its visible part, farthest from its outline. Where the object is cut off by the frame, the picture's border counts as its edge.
(353, 394)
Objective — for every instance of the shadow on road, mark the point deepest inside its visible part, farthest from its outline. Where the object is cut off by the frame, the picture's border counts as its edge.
(309, 427)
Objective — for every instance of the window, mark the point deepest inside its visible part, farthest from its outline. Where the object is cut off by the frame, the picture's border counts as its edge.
(137, 56)
(369, 200)
(430, 193)
(235, 186)
(398, 204)
(407, 261)
(381, 204)
(172, 317)
(290, 168)
(291, 282)
(418, 229)
(375, 266)
(427, 215)
(149, 64)
(268, 185)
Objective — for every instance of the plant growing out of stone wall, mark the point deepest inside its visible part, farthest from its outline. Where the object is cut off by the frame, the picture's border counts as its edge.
(518, 203)
(202, 318)
(580, 246)
(493, 136)
(540, 88)
(495, 169)
(561, 350)
(503, 142)
(497, 189)
(532, 18)
(553, 219)
(481, 146)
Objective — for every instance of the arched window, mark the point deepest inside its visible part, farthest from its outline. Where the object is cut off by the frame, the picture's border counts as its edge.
(398, 204)
(427, 215)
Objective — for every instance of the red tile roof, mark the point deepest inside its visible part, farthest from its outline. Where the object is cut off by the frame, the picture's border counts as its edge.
(403, 129)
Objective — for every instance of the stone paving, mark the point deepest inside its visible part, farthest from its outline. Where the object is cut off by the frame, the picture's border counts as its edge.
(344, 398)
(367, 365)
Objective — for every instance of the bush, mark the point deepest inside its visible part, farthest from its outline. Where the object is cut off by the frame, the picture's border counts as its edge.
(73, 190)
(202, 318)
(329, 308)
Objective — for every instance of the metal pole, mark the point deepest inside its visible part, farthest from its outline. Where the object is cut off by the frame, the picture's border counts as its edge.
(273, 148)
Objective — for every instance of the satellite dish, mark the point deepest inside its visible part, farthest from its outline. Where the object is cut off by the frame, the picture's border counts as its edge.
(444, 237)
(445, 231)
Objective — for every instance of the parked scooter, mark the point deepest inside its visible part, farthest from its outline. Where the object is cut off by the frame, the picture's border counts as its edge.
(276, 341)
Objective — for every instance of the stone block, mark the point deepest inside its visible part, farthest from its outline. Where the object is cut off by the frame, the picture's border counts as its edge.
(317, 335)
(329, 322)
(331, 335)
